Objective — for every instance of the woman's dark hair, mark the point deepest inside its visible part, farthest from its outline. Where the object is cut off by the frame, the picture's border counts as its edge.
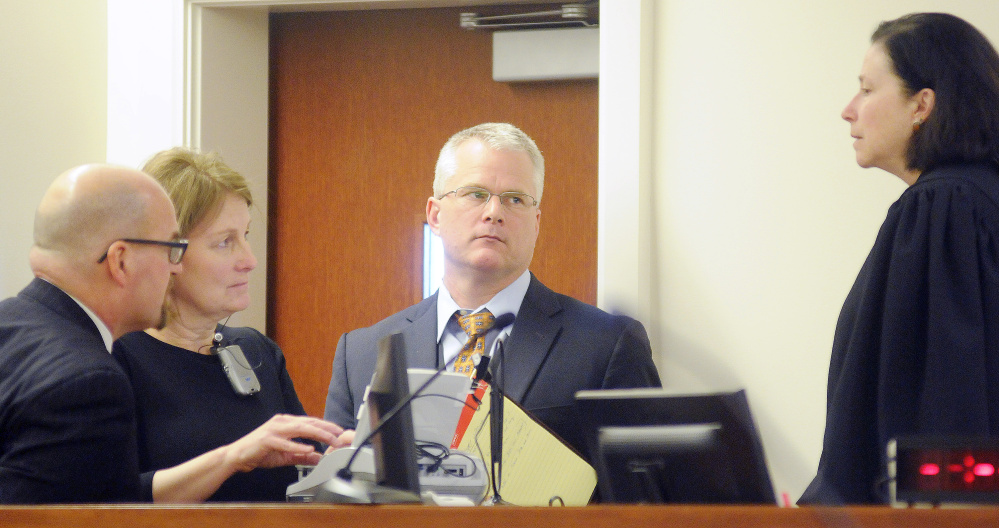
(949, 56)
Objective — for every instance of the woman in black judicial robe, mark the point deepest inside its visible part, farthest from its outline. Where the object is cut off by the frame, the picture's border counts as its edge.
(916, 350)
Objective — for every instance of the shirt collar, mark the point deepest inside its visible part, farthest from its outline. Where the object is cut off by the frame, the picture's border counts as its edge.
(508, 300)
(101, 327)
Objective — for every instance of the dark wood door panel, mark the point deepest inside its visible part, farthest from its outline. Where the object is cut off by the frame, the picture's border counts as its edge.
(361, 103)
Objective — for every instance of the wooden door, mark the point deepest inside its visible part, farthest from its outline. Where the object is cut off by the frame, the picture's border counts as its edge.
(361, 103)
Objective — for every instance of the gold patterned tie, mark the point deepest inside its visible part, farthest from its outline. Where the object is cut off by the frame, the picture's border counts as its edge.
(475, 325)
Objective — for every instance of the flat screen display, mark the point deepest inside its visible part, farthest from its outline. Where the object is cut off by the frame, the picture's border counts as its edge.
(654, 446)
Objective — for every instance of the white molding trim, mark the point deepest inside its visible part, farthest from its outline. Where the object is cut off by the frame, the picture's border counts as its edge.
(624, 267)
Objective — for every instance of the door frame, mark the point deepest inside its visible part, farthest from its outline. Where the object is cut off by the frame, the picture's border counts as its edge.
(212, 49)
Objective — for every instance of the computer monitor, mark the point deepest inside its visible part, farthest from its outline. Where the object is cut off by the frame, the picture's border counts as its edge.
(394, 444)
(654, 446)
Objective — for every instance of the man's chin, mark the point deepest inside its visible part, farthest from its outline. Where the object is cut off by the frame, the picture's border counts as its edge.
(486, 262)
(162, 322)
(165, 310)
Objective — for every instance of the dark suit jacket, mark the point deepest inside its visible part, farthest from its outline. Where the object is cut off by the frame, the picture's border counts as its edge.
(67, 414)
(558, 346)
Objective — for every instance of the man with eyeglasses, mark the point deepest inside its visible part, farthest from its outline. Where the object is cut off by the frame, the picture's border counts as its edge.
(486, 209)
(105, 246)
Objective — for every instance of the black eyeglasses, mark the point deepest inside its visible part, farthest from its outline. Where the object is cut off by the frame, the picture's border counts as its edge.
(177, 247)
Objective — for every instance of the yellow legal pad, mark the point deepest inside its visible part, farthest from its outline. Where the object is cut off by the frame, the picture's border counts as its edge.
(537, 469)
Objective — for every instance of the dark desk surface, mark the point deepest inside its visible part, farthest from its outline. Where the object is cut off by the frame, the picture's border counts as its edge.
(326, 516)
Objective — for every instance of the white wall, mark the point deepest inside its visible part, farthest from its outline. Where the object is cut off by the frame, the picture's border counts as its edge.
(624, 270)
(145, 76)
(762, 218)
(53, 87)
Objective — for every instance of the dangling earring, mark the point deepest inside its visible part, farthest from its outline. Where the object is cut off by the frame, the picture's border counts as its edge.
(916, 124)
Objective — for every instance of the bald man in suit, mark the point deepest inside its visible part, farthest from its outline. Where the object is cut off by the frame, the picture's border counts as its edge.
(486, 209)
(105, 246)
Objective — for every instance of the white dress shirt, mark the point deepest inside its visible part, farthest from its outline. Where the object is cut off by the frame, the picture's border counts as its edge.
(450, 336)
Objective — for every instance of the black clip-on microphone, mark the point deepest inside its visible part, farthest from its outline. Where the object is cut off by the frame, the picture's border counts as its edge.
(496, 410)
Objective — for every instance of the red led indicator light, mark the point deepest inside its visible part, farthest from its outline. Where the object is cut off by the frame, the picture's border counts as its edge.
(929, 470)
(984, 470)
(951, 471)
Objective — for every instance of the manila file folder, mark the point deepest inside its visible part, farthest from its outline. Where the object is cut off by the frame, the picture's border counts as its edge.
(537, 468)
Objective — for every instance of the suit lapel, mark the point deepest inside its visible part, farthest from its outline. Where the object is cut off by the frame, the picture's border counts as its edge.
(420, 336)
(538, 325)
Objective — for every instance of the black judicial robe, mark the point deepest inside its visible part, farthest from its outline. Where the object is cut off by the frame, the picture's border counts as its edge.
(916, 349)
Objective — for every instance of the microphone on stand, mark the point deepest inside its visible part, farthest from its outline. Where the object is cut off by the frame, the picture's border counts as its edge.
(496, 415)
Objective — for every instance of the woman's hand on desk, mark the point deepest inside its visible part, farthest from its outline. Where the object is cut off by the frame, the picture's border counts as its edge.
(267, 446)
(271, 444)
(344, 439)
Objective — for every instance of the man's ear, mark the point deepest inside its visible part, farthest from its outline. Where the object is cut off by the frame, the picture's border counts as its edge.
(117, 262)
(433, 215)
